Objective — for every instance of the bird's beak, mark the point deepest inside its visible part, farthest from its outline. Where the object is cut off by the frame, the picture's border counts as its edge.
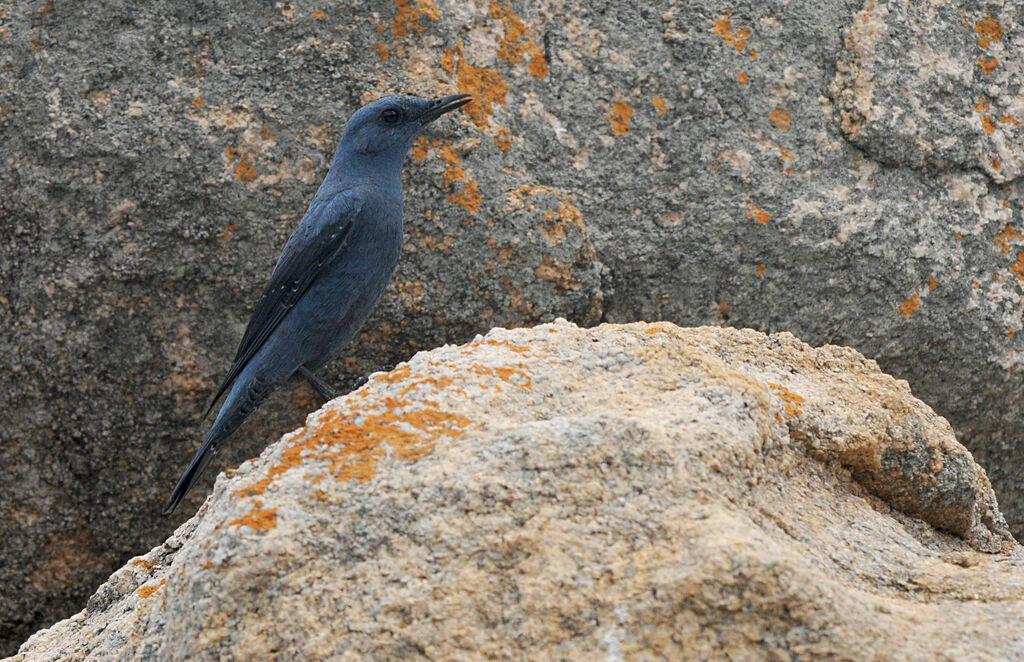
(442, 105)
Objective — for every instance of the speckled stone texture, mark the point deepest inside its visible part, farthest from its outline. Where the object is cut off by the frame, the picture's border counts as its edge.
(848, 171)
(624, 492)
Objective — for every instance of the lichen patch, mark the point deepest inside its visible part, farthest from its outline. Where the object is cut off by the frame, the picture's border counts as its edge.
(619, 117)
(723, 28)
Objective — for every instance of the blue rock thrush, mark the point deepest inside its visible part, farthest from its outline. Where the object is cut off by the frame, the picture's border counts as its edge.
(331, 272)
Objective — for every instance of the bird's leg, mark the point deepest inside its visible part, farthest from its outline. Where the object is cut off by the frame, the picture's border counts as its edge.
(320, 386)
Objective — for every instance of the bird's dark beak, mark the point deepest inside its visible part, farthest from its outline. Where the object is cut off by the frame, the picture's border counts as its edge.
(442, 105)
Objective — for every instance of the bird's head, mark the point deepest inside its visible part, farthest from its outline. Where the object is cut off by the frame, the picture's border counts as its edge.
(380, 133)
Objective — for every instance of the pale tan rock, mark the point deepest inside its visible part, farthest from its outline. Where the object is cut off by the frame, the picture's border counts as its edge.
(623, 492)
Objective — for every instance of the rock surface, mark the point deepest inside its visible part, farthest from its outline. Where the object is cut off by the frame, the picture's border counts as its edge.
(630, 492)
(848, 171)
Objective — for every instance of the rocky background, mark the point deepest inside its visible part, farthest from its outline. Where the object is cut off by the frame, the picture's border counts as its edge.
(847, 171)
(618, 493)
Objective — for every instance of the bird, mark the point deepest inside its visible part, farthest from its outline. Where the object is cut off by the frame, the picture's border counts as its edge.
(331, 273)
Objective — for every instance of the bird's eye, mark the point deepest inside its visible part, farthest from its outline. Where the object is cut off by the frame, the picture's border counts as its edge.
(390, 116)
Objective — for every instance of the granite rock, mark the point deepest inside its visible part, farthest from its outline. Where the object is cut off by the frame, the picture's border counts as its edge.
(847, 171)
(630, 492)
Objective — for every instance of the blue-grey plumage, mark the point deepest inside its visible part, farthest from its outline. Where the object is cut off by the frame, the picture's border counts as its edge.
(331, 272)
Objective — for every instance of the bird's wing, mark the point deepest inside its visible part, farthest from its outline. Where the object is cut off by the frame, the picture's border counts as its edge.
(321, 236)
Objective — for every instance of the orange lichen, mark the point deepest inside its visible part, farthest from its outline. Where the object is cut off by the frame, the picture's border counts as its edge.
(438, 383)
(982, 105)
(538, 66)
(487, 86)
(225, 234)
(651, 332)
(567, 215)
(660, 105)
(619, 117)
(381, 49)
(792, 400)
(320, 15)
(400, 373)
(244, 170)
(510, 47)
(503, 139)
(452, 171)
(267, 134)
(407, 17)
(1009, 119)
(469, 198)
(448, 60)
(259, 519)
(758, 215)
(933, 283)
(503, 373)
(742, 77)
(429, 9)
(559, 274)
(353, 447)
(353, 441)
(259, 487)
(1005, 236)
(910, 305)
(198, 102)
(787, 155)
(988, 124)
(146, 591)
(989, 65)
(753, 54)
(419, 148)
(990, 30)
(453, 174)
(1018, 266)
(737, 39)
(997, 165)
(515, 46)
(761, 269)
(781, 118)
(448, 154)
(518, 349)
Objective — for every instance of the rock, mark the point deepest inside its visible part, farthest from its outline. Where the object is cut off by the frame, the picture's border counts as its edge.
(847, 171)
(638, 491)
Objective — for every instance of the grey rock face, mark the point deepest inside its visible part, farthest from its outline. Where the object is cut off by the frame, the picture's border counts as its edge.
(623, 492)
(824, 168)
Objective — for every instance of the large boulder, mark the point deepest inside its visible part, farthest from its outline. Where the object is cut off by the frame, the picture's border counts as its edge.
(848, 171)
(629, 492)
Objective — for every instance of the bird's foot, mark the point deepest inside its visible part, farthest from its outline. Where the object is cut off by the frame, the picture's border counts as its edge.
(362, 381)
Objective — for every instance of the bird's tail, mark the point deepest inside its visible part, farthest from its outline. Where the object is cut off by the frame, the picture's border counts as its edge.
(195, 469)
(244, 397)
